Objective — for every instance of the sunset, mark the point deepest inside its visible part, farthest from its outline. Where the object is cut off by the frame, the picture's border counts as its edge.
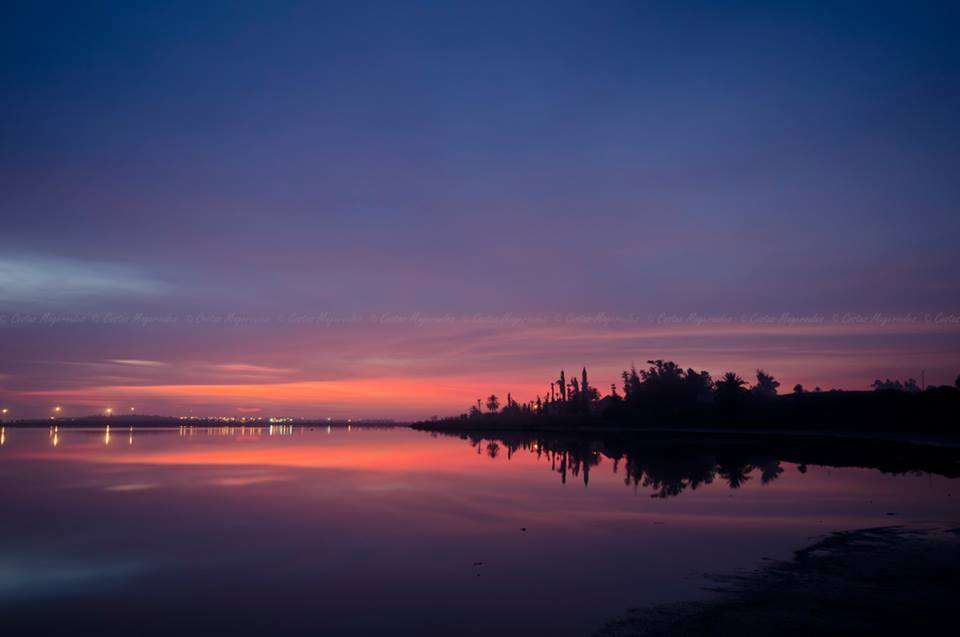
(406, 303)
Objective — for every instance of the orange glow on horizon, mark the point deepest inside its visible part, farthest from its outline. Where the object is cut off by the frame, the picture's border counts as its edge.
(444, 371)
(393, 392)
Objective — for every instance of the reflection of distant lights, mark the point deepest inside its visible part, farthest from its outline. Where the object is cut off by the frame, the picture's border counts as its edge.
(56, 438)
(3, 436)
(106, 435)
(328, 428)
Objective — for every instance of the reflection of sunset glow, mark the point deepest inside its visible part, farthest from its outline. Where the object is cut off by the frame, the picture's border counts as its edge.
(364, 452)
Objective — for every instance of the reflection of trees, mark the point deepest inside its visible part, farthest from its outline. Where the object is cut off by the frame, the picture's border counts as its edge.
(669, 465)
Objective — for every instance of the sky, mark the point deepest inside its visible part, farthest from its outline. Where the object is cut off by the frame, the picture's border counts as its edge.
(385, 209)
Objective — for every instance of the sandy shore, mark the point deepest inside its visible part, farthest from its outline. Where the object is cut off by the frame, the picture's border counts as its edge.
(880, 581)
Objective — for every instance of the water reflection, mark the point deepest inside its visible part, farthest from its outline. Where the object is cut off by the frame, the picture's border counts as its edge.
(665, 465)
(242, 430)
(669, 464)
(378, 531)
(107, 434)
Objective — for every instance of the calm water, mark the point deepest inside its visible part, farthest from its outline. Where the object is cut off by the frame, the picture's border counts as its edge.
(365, 531)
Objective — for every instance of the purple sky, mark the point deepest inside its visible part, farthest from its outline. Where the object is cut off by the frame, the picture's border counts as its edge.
(297, 163)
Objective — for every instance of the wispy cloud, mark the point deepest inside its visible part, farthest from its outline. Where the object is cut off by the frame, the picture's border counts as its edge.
(44, 279)
(248, 368)
(137, 362)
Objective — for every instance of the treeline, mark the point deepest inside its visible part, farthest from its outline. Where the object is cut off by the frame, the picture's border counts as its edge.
(666, 394)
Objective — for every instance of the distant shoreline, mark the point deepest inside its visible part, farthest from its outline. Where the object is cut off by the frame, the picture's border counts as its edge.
(173, 422)
(665, 395)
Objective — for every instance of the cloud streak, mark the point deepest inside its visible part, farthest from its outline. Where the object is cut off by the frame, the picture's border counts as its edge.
(43, 279)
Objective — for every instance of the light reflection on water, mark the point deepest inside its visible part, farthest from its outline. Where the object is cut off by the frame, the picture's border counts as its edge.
(295, 530)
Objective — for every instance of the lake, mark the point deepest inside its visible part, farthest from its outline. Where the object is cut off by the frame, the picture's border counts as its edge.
(351, 531)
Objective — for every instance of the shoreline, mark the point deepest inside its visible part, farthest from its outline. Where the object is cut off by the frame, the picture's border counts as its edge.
(882, 580)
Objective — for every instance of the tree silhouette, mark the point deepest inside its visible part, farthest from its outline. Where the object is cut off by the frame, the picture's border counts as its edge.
(631, 385)
(662, 380)
(730, 389)
(910, 385)
(664, 393)
(766, 386)
(697, 385)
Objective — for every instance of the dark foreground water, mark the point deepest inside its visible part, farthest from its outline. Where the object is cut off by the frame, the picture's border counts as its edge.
(348, 532)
